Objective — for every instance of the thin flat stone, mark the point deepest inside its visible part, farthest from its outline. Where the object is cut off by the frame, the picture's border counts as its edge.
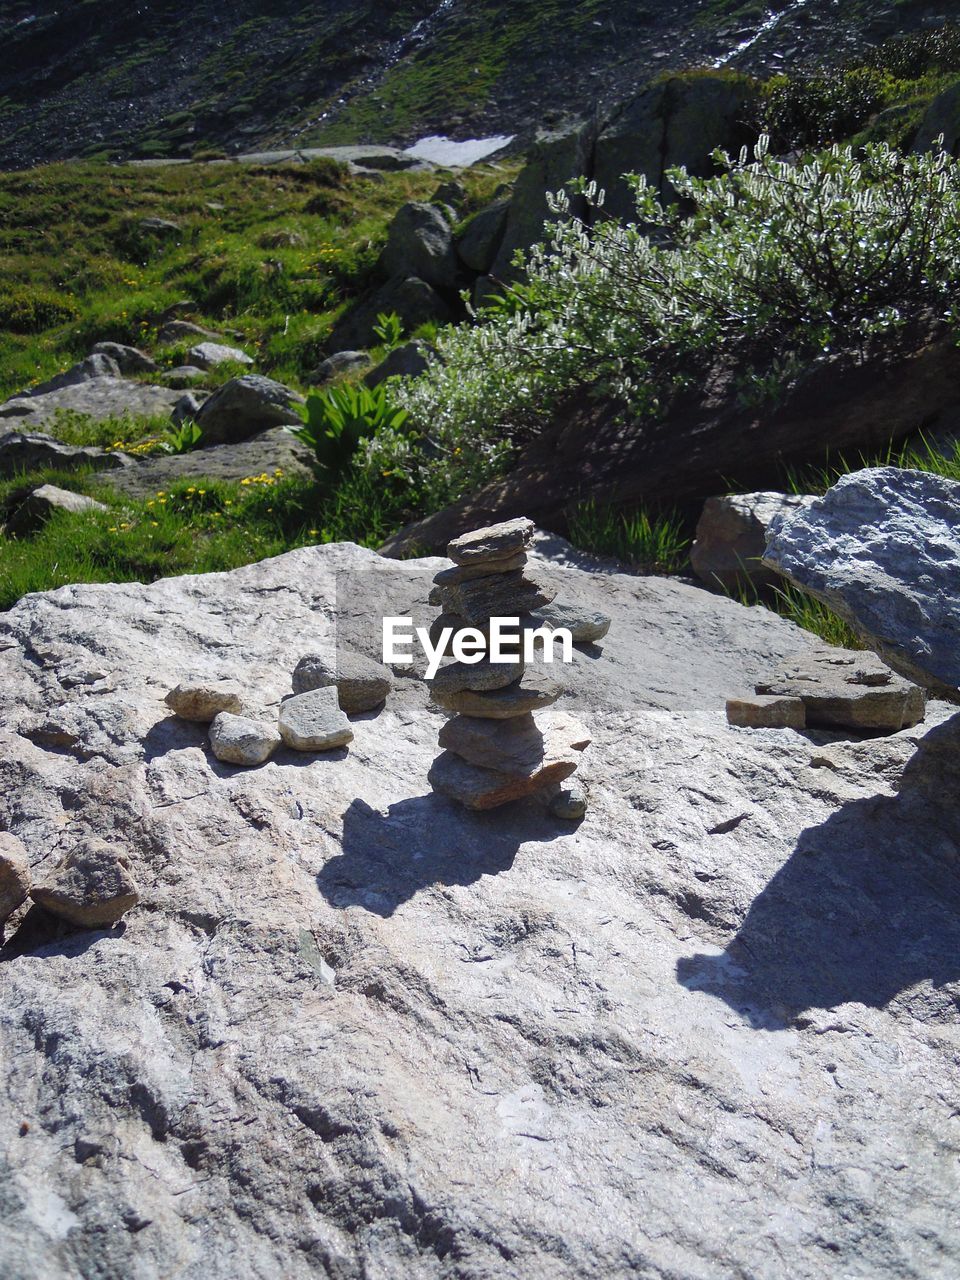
(314, 721)
(500, 595)
(766, 711)
(848, 689)
(467, 572)
(586, 626)
(477, 676)
(532, 692)
(202, 700)
(521, 745)
(91, 887)
(494, 542)
(240, 740)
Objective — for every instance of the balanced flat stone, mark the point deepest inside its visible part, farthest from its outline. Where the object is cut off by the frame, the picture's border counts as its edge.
(313, 721)
(532, 692)
(848, 689)
(91, 887)
(521, 745)
(499, 595)
(240, 740)
(454, 623)
(586, 626)
(361, 683)
(764, 711)
(882, 549)
(14, 875)
(475, 676)
(478, 788)
(202, 700)
(495, 542)
(467, 572)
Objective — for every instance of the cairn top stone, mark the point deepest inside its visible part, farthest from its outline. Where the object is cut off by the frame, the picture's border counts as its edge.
(495, 542)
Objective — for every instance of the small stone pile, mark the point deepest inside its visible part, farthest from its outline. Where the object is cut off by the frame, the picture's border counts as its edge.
(494, 749)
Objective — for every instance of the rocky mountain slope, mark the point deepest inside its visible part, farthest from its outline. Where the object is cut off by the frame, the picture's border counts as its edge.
(352, 1030)
(88, 79)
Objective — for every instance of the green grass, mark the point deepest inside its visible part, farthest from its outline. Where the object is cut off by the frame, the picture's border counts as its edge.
(648, 544)
(198, 527)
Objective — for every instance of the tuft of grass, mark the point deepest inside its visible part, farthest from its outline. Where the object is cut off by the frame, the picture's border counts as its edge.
(922, 455)
(649, 544)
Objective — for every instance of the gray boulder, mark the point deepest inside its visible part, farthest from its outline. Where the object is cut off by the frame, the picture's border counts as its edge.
(340, 363)
(479, 243)
(408, 361)
(276, 452)
(94, 366)
(127, 359)
(245, 406)
(181, 377)
(420, 243)
(207, 355)
(942, 117)
(43, 502)
(22, 451)
(731, 538)
(182, 331)
(881, 549)
(97, 398)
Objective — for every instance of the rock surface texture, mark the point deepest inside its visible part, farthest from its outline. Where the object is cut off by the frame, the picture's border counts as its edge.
(354, 1030)
(731, 537)
(882, 549)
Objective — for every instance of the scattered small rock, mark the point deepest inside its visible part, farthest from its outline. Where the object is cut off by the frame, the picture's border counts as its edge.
(362, 684)
(570, 802)
(314, 721)
(207, 355)
(408, 361)
(586, 626)
(14, 875)
(202, 700)
(41, 504)
(339, 363)
(239, 740)
(91, 887)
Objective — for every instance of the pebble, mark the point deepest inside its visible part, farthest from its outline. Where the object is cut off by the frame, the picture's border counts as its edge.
(314, 721)
(570, 802)
(14, 875)
(362, 684)
(240, 740)
(494, 542)
(586, 626)
(202, 700)
(91, 887)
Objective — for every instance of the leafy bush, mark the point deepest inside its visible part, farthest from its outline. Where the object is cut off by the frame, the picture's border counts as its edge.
(776, 262)
(338, 419)
(911, 56)
(812, 111)
(183, 438)
(389, 329)
(31, 310)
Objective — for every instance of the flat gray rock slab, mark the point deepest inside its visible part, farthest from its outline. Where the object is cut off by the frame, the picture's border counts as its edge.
(882, 549)
(314, 722)
(242, 740)
(268, 452)
(354, 1029)
(98, 398)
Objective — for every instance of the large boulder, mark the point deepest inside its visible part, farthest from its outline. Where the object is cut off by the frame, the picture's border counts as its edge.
(881, 548)
(678, 120)
(354, 1030)
(94, 366)
(731, 538)
(127, 359)
(22, 451)
(413, 300)
(480, 240)
(941, 120)
(275, 453)
(420, 243)
(246, 406)
(408, 361)
(97, 398)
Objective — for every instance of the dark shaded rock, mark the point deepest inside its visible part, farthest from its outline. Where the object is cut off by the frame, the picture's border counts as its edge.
(420, 243)
(413, 300)
(14, 875)
(43, 502)
(408, 361)
(480, 240)
(534, 691)
(22, 451)
(246, 406)
(731, 537)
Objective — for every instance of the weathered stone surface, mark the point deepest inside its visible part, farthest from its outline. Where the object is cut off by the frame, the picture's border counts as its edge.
(570, 802)
(33, 451)
(882, 549)
(182, 331)
(495, 542)
(480, 241)
(127, 359)
(181, 377)
(467, 572)
(731, 537)
(764, 711)
(97, 398)
(524, 747)
(340, 363)
(586, 626)
(91, 887)
(202, 700)
(414, 300)
(420, 243)
(408, 361)
(207, 355)
(533, 691)
(476, 676)
(361, 682)
(44, 501)
(728, 997)
(240, 740)
(268, 452)
(93, 366)
(499, 595)
(314, 722)
(847, 689)
(14, 875)
(247, 406)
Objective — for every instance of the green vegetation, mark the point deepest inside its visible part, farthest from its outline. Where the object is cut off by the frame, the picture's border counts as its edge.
(337, 421)
(649, 544)
(777, 265)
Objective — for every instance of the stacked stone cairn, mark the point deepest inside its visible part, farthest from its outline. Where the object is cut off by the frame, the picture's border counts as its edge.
(494, 749)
